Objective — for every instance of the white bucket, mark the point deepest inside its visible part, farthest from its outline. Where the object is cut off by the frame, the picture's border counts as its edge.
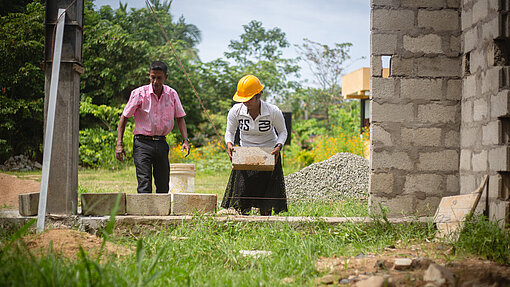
(182, 177)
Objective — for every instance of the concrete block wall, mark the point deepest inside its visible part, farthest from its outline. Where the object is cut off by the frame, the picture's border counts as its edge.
(485, 126)
(416, 111)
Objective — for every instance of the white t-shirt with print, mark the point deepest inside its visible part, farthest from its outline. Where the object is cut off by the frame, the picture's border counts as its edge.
(266, 130)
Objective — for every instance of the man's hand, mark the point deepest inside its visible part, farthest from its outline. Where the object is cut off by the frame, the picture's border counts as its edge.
(120, 153)
(230, 150)
(277, 150)
(185, 146)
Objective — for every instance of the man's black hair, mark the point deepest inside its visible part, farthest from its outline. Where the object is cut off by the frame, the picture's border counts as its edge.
(159, 66)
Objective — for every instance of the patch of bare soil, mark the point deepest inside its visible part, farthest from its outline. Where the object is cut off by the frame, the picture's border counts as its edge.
(11, 186)
(411, 266)
(67, 242)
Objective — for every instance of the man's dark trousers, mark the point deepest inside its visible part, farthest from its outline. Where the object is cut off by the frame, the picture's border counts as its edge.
(151, 157)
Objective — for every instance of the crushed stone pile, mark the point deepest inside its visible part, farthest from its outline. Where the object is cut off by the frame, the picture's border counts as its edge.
(20, 163)
(343, 175)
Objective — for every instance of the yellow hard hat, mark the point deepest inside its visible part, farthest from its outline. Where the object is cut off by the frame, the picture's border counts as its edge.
(247, 87)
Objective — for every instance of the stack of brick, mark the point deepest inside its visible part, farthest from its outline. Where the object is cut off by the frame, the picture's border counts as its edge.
(415, 119)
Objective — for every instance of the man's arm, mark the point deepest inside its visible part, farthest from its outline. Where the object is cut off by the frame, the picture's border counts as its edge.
(120, 153)
(181, 124)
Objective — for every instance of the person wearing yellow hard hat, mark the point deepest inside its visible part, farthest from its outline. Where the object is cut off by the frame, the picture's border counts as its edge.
(260, 124)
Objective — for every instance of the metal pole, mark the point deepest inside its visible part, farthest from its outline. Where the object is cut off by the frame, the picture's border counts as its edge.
(50, 123)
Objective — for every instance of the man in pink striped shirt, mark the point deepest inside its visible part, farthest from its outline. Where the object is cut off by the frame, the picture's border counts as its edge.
(155, 107)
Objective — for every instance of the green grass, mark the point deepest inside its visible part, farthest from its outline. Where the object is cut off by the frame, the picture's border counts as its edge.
(210, 255)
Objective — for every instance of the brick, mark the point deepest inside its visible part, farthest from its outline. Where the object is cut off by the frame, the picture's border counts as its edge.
(467, 184)
(392, 20)
(392, 112)
(491, 30)
(453, 90)
(396, 206)
(383, 43)
(470, 137)
(193, 203)
(469, 88)
(376, 66)
(491, 133)
(381, 183)
(500, 104)
(436, 113)
(479, 161)
(390, 160)
(28, 204)
(455, 44)
(470, 39)
(380, 136)
(253, 158)
(477, 61)
(495, 184)
(480, 10)
(438, 67)
(428, 206)
(453, 3)
(421, 137)
(480, 110)
(452, 185)
(499, 158)
(428, 44)
(490, 80)
(430, 184)
(422, 3)
(467, 112)
(499, 211)
(102, 204)
(446, 160)
(383, 88)
(465, 159)
(148, 204)
(389, 3)
(440, 20)
(421, 89)
(401, 66)
(466, 19)
(452, 139)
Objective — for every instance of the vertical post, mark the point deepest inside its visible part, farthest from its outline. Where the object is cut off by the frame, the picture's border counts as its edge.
(50, 122)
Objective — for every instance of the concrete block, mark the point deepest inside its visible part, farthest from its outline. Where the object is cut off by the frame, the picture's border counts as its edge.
(479, 161)
(421, 89)
(467, 184)
(477, 61)
(437, 113)
(148, 204)
(453, 3)
(495, 187)
(428, 44)
(500, 104)
(392, 20)
(439, 20)
(453, 90)
(490, 80)
(380, 136)
(423, 3)
(28, 204)
(392, 112)
(428, 206)
(192, 203)
(421, 137)
(491, 30)
(499, 211)
(438, 67)
(401, 66)
(465, 159)
(430, 184)
(470, 137)
(455, 44)
(102, 204)
(470, 87)
(499, 158)
(397, 206)
(383, 43)
(390, 160)
(253, 158)
(480, 10)
(504, 184)
(467, 111)
(470, 39)
(446, 160)
(383, 88)
(466, 19)
(491, 133)
(376, 66)
(389, 3)
(452, 185)
(480, 110)
(452, 139)
(381, 183)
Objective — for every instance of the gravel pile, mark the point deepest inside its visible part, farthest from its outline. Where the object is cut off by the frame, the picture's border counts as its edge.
(342, 176)
(20, 163)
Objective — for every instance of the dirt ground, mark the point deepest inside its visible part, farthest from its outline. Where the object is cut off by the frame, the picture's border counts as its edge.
(11, 186)
(341, 271)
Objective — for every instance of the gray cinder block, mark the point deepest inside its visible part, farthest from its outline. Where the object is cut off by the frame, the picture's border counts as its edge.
(191, 203)
(28, 204)
(148, 204)
(102, 204)
(253, 158)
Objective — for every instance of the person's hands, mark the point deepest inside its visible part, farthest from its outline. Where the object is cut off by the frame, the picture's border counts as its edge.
(120, 153)
(230, 150)
(185, 146)
(276, 151)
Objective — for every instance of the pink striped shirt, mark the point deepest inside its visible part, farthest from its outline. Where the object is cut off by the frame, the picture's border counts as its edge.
(153, 116)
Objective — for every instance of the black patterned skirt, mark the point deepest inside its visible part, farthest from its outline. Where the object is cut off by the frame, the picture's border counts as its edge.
(261, 189)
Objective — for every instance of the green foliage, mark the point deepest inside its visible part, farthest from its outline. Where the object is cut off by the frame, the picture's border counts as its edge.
(22, 81)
